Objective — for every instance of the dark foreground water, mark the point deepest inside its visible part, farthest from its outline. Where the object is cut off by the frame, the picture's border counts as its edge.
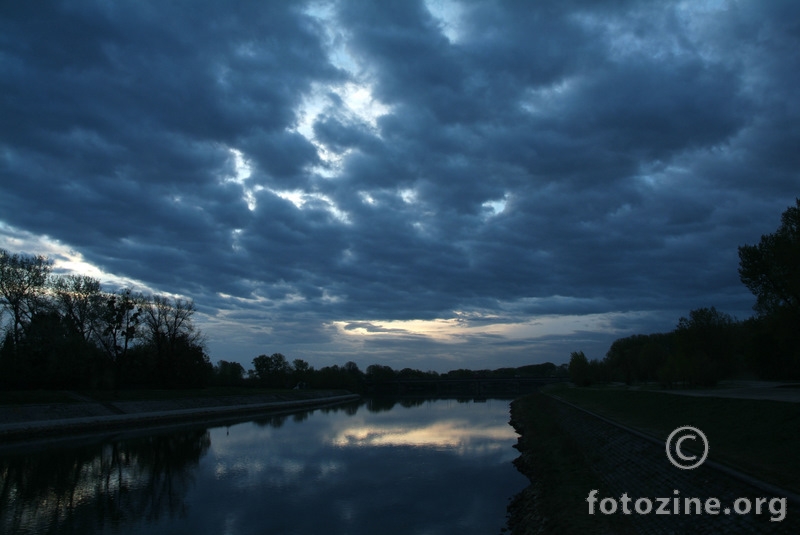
(432, 467)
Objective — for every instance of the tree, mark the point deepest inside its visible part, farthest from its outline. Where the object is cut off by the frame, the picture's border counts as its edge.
(379, 373)
(79, 301)
(172, 351)
(301, 370)
(120, 320)
(771, 269)
(705, 341)
(52, 354)
(166, 320)
(168, 332)
(229, 373)
(190, 367)
(579, 372)
(22, 283)
(272, 370)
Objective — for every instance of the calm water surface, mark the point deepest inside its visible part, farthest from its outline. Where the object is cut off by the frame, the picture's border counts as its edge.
(432, 467)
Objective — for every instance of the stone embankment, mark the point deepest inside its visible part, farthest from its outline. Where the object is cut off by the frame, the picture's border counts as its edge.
(87, 415)
(632, 464)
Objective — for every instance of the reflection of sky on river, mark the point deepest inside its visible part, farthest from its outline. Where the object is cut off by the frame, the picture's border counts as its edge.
(441, 467)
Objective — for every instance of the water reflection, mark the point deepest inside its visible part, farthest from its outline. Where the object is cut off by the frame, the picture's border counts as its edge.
(79, 490)
(458, 434)
(419, 467)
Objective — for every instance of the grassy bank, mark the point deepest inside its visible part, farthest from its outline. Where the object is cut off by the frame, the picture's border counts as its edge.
(23, 397)
(758, 437)
(210, 392)
(559, 474)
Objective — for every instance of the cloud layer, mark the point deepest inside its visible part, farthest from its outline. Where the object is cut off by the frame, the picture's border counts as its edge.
(435, 184)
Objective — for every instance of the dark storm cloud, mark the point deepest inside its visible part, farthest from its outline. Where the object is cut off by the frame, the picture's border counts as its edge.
(526, 160)
(117, 122)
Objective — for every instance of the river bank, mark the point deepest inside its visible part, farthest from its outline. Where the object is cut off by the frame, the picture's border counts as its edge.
(567, 452)
(559, 473)
(84, 414)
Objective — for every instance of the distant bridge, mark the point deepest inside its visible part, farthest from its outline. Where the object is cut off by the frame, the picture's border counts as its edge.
(471, 386)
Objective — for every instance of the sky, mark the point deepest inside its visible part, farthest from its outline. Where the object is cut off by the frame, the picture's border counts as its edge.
(433, 184)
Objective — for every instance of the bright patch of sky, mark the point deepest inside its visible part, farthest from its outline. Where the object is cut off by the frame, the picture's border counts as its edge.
(447, 13)
(409, 196)
(357, 103)
(334, 37)
(66, 261)
(461, 329)
(243, 172)
(300, 199)
(496, 207)
(367, 198)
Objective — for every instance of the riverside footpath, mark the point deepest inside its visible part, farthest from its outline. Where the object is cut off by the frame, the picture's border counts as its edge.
(87, 415)
(628, 462)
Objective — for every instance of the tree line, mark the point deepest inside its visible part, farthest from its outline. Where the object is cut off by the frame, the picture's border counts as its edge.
(65, 331)
(709, 345)
(275, 371)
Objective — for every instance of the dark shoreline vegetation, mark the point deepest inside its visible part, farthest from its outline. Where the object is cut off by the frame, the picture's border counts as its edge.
(66, 332)
(709, 345)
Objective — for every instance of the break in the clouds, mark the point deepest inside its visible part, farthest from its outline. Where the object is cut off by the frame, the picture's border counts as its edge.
(433, 184)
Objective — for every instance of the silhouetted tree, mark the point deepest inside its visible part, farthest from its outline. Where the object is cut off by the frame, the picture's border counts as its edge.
(23, 280)
(120, 320)
(707, 338)
(639, 357)
(169, 334)
(272, 370)
(228, 373)
(579, 372)
(378, 373)
(771, 269)
(301, 371)
(79, 301)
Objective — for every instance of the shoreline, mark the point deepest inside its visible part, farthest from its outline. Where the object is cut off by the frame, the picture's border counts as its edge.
(64, 427)
(557, 471)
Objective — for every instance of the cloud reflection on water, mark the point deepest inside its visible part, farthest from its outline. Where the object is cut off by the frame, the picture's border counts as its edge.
(435, 467)
(459, 435)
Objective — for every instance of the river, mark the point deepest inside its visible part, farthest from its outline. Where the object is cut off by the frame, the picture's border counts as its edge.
(371, 467)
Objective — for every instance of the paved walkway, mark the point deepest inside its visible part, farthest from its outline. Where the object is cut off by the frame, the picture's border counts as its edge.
(34, 420)
(768, 390)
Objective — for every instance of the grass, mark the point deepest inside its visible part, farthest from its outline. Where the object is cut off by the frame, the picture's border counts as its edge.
(23, 397)
(560, 475)
(758, 437)
(147, 394)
